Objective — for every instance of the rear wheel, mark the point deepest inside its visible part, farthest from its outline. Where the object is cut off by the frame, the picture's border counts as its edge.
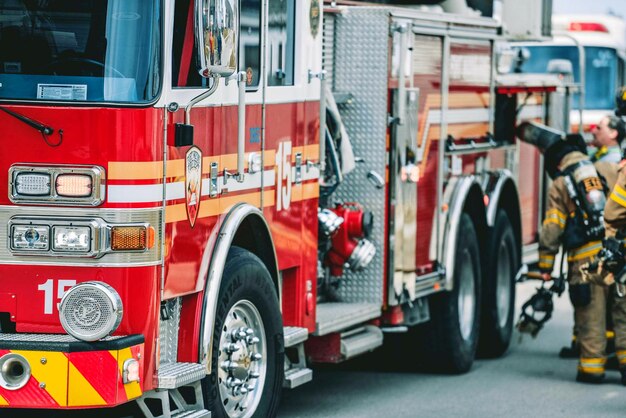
(448, 342)
(499, 289)
(247, 351)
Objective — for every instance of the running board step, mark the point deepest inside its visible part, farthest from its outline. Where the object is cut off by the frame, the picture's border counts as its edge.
(339, 316)
(202, 413)
(295, 335)
(175, 375)
(360, 340)
(297, 377)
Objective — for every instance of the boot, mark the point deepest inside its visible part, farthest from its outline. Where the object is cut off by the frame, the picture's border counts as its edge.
(622, 371)
(611, 362)
(592, 378)
(573, 351)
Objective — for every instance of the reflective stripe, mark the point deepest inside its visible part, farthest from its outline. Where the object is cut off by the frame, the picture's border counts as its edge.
(53, 372)
(621, 356)
(588, 370)
(546, 266)
(588, 250)
(546, 261)
(593, 360)
(153, 170)
(555, 216)
(592, 365)
(81, 392)
(553, 221)
(77, 379)
(618, 195)
(153, 193)
(611, 334)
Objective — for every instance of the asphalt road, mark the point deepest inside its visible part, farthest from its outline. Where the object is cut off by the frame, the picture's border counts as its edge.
(529, 381)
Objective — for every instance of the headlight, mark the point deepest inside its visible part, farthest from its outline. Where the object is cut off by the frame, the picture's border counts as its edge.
(30, 237)
(32, 184)
(77, 237)
(74, 185)
(71, 238)
(90, 311)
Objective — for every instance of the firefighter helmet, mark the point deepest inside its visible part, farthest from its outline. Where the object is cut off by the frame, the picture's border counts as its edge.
(552, 143)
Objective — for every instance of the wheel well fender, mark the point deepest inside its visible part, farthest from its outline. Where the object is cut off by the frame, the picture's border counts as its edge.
(467, 197)
(504, 196)
(244, 226)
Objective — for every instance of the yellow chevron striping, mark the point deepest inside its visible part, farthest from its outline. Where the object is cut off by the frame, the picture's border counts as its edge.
(53, 373)
(3, 402)
(81, 393)
(133, 389)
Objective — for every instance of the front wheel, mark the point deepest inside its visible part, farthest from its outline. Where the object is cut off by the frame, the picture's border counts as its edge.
(247, 351)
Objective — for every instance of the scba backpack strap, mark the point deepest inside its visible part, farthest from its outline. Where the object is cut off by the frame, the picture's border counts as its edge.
(587, 189)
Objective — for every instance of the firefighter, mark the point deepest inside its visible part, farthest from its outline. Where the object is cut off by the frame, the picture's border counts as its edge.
(607, 138)
(615, 225)
(573, 219)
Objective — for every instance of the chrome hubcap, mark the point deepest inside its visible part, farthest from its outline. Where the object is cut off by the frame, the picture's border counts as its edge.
(242, 360)
(467, 300)
(503, 287)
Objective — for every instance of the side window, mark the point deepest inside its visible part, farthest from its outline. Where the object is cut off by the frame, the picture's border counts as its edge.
(250, 41)
(184, 56)
(281, 23)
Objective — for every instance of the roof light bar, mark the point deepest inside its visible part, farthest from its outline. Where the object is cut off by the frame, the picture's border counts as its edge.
(587, 27)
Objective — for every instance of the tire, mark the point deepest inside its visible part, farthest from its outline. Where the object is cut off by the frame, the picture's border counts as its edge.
(447, 343)
(499, 289)
(247, 301)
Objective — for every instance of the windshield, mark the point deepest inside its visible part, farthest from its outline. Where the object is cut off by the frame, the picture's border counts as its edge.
(601, 71)
(80, 50)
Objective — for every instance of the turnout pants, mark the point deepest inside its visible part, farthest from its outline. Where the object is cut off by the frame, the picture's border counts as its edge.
(591, 326)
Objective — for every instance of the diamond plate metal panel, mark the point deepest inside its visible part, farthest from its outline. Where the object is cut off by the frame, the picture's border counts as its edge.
(334, 317)
(168, 332)
(328, 50)
(172, 376)
(361, 68)
(203, 413)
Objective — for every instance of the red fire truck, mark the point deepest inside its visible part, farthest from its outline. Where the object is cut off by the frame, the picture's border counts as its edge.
(204, 196)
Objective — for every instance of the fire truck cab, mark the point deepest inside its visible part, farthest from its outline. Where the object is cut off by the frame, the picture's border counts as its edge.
(595, 47)
(202, 197)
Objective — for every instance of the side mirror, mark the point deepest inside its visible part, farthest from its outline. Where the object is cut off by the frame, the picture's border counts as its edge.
(561, 66)
(217, 37)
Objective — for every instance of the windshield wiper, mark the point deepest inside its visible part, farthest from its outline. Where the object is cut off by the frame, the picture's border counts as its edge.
(45, 130)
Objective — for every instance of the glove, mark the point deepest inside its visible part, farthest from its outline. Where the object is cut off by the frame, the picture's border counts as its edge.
(612, 255)
(595, 272)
